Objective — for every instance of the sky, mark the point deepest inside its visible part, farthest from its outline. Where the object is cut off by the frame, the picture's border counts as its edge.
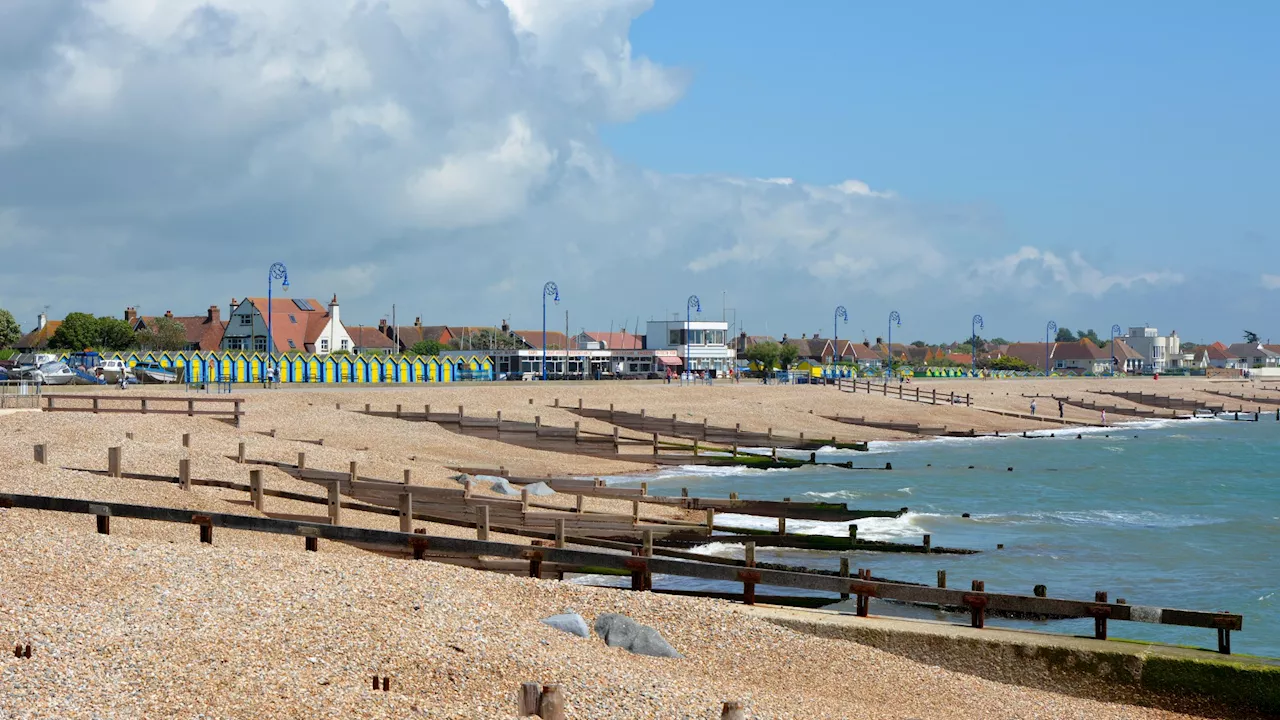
(1092, 164)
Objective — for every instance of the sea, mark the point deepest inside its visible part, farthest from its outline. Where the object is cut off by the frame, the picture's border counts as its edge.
(1180, 514)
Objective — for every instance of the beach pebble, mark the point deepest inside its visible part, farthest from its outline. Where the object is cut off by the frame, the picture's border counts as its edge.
(570, 622)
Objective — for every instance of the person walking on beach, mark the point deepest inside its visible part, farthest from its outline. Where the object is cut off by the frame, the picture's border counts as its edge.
(1060, 410)
(1104, 418)
(1033, 406)
(271, 376)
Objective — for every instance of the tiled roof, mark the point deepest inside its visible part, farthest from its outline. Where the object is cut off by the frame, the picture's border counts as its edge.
(38, 339)
(366, 336)
(617, 340)
(533, 338)
(1122, 351)
(413, 334)
(1029, 353)
(1081, 350)
(200, 330)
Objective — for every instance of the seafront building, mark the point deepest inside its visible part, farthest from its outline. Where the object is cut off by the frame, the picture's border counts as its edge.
(699, 345)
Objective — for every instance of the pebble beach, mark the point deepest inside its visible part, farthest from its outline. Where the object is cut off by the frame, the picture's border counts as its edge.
(147, 622)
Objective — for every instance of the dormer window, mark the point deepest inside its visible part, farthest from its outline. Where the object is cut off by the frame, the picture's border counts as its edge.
(293, 319)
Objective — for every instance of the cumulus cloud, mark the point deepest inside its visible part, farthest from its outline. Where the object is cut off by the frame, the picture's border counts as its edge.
(1271, 282)
(1031, 268)
(408, 151)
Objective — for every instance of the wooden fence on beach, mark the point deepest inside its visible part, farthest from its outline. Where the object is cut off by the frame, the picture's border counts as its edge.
(221, 408)
(976, 600)
(1162, 401)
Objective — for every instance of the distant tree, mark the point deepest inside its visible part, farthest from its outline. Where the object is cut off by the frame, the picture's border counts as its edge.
(1251, 337)
(162, 334)
(1008, 362)
(996, 341)
(918, 343)
(117, 334)
(489, 338)
(1065, 335)
(1091, 334)
(78, 331)
(764, 354)
(787, 355)
(426, 347)
(10, 331)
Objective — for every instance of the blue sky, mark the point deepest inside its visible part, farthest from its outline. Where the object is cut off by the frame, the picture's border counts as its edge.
(1091, 163)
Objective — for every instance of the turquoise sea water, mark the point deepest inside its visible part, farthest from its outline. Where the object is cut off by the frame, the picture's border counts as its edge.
(1183, 515)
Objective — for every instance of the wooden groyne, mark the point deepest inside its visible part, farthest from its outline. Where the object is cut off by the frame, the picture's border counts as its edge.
(976, 601)
(576, 441)
(930, 396)
(1145, 413)
(648, 423)
(1162, 401)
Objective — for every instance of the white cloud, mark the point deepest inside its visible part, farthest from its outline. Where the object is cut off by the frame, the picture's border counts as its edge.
(407, 150)
(1271, 282)
(1029, 268)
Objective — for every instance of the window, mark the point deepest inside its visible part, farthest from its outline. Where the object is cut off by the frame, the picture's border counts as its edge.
(344, 344)
(236, 343)
(324, 345)
(673, 337)
(246, 319)
(696, 337)
(292, 346)
(293, 319)
(1060, 364)
(259, 343)
(303, 305)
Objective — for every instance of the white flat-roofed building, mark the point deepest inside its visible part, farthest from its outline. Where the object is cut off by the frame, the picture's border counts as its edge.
(703, 343)
(1158, 352)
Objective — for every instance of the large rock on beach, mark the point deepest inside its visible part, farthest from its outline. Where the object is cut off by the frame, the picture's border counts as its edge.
(570, 622)
(502, 487)
(621, 631)
(539, 488)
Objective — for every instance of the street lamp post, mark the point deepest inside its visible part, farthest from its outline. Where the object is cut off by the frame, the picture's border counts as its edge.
(1052, 327)
(689, 307)
(276, 272)
(840, 313)
(1115, 330)
(548, 290)
(973, 343)
(894, 317)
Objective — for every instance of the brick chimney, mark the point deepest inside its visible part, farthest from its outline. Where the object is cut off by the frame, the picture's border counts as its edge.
(232, 309)
(417, 322)
(382, 326)
(215, 314)
(130, 314)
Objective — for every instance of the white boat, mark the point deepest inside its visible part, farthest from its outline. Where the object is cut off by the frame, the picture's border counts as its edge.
(27, 365)
(111, 369)
(153, 373)
(53, 373)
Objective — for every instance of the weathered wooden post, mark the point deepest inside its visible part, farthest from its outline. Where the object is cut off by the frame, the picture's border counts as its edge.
(460, 414)
(733, 710)
(482, 523)
(256, 494)
(928, 543)
(1100, 616)
(530, 693)
(942, 579)
(863, 602)
(551, 703)
(42, 454)
(335, 504)
(302, 461)
(128, 436)
(186, 440)
(635, 512)
(782, 526)
(524, 500)
(399, 410)
(408, 476)
(103, 519)
(684, 492)
(352, 476)
(655, 444)
(646, 541)
(844, 573)
(406, 511)
(240, 454)
(711, 521)
(749, 587)
(113, 462)
(978, 605)
(853, 534)
(184, 474)
(581, 500)
(560, 532)
(615, 439)
(239, 419)
(695, 447)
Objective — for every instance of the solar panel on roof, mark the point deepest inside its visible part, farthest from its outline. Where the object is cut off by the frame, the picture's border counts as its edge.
(303, 305)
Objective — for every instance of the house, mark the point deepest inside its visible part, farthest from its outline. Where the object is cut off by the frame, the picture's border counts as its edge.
(1254, 355)
(1033, 354)
(744, 342)
(1124, 358)
(203, 332)
(1215, 356)
(862, 355)
(297, 325)
(369, 340)
(1158, 352)
(814, 349)
(409, 335)
(38, 339)
(704, 343)
(1080, 358)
